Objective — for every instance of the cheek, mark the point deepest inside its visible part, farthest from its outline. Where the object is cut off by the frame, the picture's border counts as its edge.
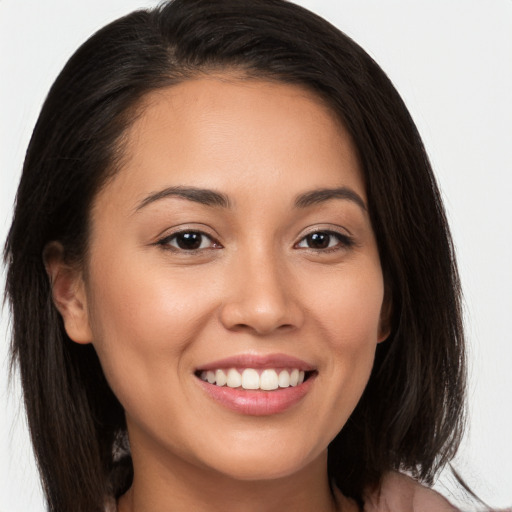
(129, 295)
(143, 322)
(354, 336)
(349, 306)
(348, 321)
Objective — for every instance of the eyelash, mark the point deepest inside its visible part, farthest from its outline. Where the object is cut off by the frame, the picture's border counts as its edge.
(344, 242)
(166, 241)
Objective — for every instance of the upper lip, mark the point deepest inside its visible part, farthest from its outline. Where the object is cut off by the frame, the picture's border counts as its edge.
(258, 361)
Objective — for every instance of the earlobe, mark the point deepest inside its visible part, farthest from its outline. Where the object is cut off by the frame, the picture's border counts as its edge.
(68, 293)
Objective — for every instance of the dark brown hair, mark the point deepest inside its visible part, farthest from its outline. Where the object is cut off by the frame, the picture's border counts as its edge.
(411, 414)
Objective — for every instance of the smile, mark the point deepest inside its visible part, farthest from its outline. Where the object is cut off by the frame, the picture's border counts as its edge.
(257, 385)
(268, 379)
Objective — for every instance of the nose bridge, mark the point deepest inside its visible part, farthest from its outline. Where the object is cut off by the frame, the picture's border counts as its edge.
(261, 298)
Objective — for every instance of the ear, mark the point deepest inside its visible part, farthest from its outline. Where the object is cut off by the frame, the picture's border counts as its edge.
(68, 292)
(386, 316)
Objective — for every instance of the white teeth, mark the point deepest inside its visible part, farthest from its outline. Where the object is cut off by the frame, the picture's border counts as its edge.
(284, 379)
(267, 380)
(250, 379)
(220, 378)
(234, 379)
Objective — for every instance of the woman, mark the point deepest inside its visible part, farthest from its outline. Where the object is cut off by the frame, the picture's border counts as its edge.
(240, 290)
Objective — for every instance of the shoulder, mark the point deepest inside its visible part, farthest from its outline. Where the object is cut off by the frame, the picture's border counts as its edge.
(401, 493)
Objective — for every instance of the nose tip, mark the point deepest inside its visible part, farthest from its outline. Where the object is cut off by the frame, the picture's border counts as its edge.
(262, 303)
(262, 319)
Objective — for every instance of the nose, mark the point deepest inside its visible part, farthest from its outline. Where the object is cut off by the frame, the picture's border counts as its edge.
(261, 297)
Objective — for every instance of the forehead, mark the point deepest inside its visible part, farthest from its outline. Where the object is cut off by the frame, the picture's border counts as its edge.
(232, 133)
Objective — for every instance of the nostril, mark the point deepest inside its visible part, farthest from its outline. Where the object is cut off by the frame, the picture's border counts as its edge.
(261, 308)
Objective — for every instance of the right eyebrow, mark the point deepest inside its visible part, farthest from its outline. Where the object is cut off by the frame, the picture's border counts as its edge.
(203, 196)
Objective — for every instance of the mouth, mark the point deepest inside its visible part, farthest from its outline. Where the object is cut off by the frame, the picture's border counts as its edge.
(257, 385)
(268, 379)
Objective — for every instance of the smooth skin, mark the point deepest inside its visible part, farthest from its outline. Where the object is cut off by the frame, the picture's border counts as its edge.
(254, 271)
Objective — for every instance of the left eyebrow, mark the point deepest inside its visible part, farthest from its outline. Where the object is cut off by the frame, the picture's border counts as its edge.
(321, 195)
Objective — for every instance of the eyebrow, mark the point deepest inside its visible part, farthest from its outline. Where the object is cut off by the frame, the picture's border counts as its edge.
(212, 198)
(198, 195)
(325, 194)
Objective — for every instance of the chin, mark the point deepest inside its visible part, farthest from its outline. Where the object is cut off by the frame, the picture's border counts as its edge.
(270, 463)
(271, 470)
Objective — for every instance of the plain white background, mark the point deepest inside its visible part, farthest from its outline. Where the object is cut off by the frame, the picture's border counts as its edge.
(452, 63)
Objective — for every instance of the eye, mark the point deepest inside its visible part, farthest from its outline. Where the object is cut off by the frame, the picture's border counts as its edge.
(189, 241)
(321, 240)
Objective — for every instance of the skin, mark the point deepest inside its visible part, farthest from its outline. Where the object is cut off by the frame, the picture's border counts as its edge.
(155, 313)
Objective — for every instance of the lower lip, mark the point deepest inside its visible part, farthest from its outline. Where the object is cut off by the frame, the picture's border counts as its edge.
(258, 402)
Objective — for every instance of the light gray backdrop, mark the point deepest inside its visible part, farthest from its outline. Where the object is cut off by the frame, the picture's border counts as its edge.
(452, 62)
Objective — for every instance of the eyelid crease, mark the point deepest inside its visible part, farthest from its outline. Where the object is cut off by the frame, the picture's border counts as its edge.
(186, 227)
(326, 227)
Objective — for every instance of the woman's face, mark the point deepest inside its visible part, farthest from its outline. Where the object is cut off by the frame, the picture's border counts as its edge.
(234, 243)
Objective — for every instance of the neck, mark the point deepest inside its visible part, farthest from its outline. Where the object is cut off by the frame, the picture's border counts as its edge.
(177, 485)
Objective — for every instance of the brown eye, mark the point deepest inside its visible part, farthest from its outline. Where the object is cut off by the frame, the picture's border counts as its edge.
(188, 241)
(320, 240)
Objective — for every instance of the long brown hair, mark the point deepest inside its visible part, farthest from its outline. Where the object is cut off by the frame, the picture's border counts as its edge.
(411, 414)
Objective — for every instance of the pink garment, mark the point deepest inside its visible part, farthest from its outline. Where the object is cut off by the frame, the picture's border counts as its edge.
(401, 493)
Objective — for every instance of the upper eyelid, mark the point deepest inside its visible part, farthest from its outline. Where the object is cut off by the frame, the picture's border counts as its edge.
(326, 226)
(335, 230)
(170, 232)
(327, 231)
(181, 231)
